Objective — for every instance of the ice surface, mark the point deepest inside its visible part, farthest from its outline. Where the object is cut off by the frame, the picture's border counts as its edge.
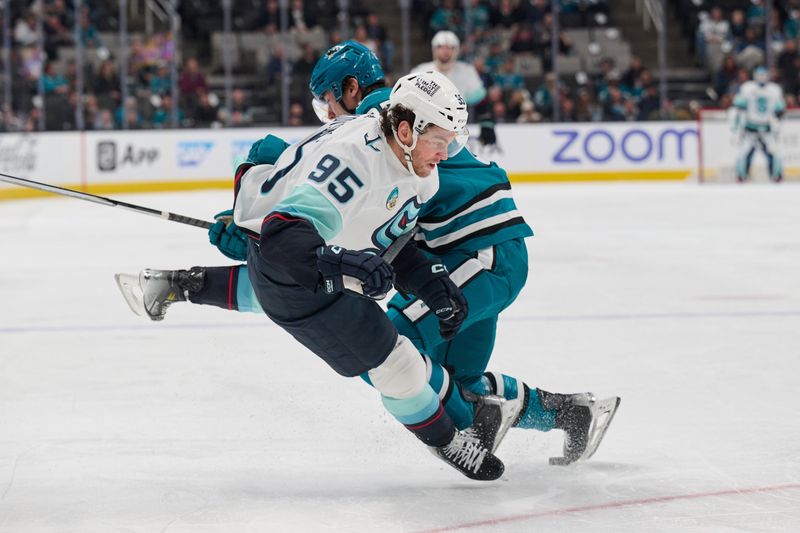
(684, 300)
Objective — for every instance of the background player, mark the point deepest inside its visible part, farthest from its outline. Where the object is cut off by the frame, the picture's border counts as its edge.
(755, 114)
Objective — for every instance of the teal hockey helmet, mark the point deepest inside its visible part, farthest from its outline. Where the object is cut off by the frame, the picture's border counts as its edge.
(348, 59)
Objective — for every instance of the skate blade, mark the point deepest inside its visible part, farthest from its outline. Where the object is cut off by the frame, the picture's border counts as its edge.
(132, 292)
(603, 412)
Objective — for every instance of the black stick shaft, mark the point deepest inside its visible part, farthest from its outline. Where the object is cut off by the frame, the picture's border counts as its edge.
(166, 215)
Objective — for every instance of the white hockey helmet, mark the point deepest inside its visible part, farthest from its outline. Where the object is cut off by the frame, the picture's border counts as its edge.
(761, 75)
(434, 100)
(446, 38)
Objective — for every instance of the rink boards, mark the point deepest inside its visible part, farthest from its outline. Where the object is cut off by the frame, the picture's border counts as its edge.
(140, 161)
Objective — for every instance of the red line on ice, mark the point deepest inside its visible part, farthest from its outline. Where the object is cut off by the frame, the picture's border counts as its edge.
(612, 505)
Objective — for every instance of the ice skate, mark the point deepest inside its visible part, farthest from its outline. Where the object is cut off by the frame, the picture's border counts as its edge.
(151, 292)
(494, 416)
(466, 454)
(488, 419)
(584, 420)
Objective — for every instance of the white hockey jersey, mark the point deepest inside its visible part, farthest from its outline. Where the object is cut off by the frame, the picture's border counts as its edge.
(345, 180)
(464, 76)
(760, 104)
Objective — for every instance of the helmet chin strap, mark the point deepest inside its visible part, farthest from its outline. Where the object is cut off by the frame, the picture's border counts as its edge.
(407, 150)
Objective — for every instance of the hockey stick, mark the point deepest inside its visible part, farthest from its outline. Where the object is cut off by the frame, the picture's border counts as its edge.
(105, 201)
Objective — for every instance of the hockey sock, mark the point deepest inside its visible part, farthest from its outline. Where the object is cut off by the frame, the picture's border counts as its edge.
(533, 414)
(460, 410)
(423, 415)
(228, 288)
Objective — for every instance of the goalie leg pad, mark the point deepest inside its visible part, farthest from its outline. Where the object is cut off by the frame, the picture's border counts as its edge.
(403, 373)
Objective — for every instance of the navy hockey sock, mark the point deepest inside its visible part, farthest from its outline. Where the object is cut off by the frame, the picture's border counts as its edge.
(424, 416)
(226, 287)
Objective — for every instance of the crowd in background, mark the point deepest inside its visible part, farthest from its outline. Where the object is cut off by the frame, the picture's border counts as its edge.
(730, 39)
(495, 36)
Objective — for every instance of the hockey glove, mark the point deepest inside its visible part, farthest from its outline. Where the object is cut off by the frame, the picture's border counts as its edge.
(444, 298)
(227, 236)
(358, 272)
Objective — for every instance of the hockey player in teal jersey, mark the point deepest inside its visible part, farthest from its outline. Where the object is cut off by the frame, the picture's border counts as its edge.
(473, 227)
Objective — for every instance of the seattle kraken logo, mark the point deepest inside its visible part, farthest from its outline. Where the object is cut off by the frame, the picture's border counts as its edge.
(401, 222)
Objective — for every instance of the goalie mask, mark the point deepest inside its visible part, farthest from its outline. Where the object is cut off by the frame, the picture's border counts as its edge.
(435, 101)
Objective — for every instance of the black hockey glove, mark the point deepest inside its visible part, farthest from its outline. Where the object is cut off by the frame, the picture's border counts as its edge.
(357, 272)
(443, 297)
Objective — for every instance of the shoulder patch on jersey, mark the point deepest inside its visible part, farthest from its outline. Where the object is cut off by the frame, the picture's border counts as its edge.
(391, 201)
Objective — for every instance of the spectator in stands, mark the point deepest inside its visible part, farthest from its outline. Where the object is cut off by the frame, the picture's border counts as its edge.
(480, 16)
(54, 81)
(528, 113)
(543, 97)
(791, 26)
(514, 100)
(446, 17)
(738, 24)
(633, 72)
(161, 80)
(567, 110)
(360, 35)
(506, 15)
(89, 35)
(535, 10)
(162, 118)
(614, 106)
(301, 20)
(544, 33)
(508, 78)
(191, 82)
(274, 67)
(106, 85)
(296, 114)
(269, 20)
(587, 109)
(523, 40)
(650, 103)
(205, 114)
(25, 30)
(750, 52)
(755, 13)
(129, 112)
(631, 111)
(712, 32)
(725, 75)
(305, 64)
(377, 32)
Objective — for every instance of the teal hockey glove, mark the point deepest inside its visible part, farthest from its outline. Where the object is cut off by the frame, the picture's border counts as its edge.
(227, 236)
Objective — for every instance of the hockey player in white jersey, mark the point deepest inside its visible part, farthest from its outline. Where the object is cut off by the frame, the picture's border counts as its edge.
(320, 218)
(756, 113)
(445, 46)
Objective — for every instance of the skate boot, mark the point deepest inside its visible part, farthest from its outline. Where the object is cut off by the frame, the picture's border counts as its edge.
(151, 292)
(584, 421)
(488, 419)
(466, 454)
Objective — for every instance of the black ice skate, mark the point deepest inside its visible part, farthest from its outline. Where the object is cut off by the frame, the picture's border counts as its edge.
(488, 419)
(584, 420)
(151, 292)
(494, 416)
(466, 454)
